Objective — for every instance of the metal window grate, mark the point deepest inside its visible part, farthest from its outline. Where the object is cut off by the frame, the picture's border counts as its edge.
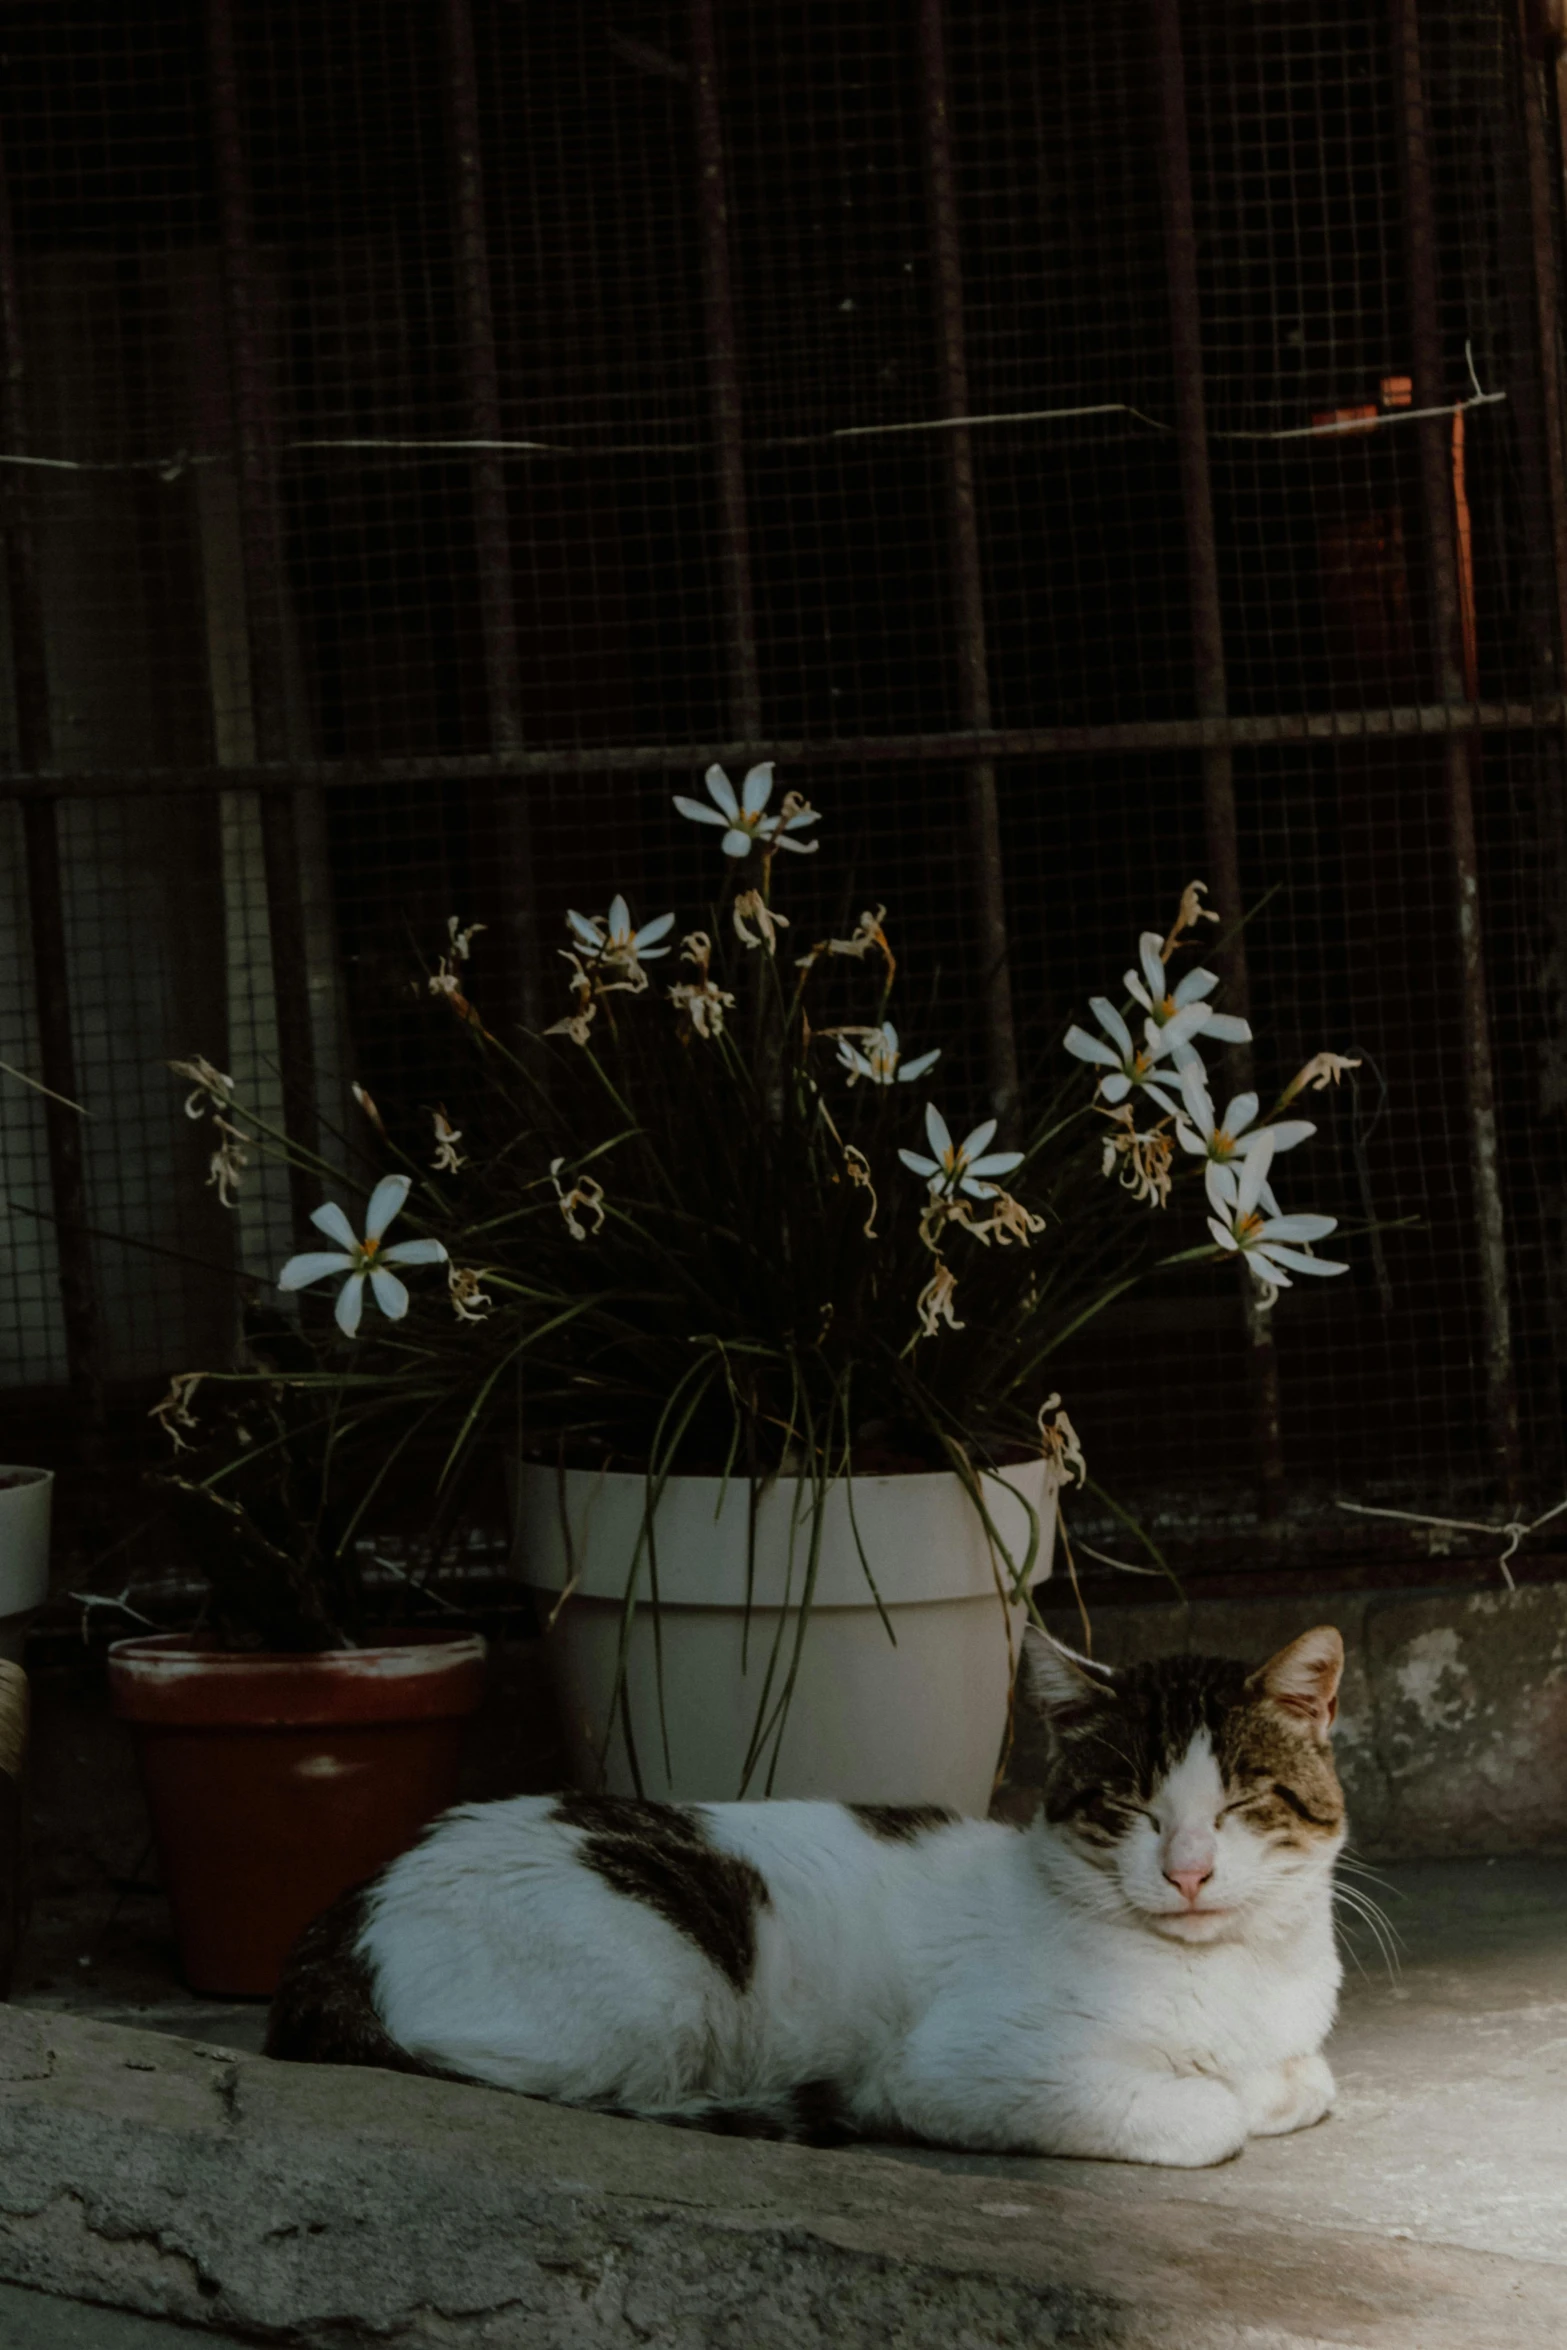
(448, 424)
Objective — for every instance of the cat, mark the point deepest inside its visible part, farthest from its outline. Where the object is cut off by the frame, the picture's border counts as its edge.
(1146, 1973)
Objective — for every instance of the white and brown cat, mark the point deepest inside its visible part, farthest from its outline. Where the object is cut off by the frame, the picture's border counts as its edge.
(1146, 1973)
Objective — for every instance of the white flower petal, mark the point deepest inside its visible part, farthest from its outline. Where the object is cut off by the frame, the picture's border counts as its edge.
(757, 788)
(1178, 1030)
(1239, 1115)
(976, 1190)
(1194, 987)
(937, 1133)
(1267, 1268)
(1255, 1167)
(998, 1163)
(330, 1219)
(805, 816)
(737, 844)
(619, 917)
(390, 1295)
(800, 848)
(721, 791)
(1226, 1028)
(1298, 1228)
(973, 1144)
(909, 1070)
(659, 927)
(1112, 1023)
(1136, 990)
(584, 930)
(1222, 1234)
(1304, 1264)
(414, 1252)
(1219, 1183)
(1153, 966)
(697, 813)
(1089, 1048)
(315, 1265)
(1190, 1140)
(1290, 1131)
(927, 1167)
(1116, 1086)
(350, 1304)
(385, 1201)
(1194, 1093)
(1156, 1093)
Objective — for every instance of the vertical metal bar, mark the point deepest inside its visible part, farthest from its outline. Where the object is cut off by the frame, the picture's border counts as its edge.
(491, 515)
(46, 897)
(967, 576)
(1547, 315)
(261, 555)
(723, 366)
(1447, 667)
(1202, 565)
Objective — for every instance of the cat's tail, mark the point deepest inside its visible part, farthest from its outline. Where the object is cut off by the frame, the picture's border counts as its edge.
(810, 2114)
(324, 2009)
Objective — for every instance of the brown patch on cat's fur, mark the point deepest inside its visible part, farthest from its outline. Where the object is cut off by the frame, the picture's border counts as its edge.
(1296, 1795)
(902, 1823)
(659, 1854)
(324, 2008)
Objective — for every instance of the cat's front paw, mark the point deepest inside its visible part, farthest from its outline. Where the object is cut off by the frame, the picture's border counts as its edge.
(1188, 2123)
(1291, 2097)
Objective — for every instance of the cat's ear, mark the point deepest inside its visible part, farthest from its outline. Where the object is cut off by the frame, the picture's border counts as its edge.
(1302, 1680)
(1065, 1688)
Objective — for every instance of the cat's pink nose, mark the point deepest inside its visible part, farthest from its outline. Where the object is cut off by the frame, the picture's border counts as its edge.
(1189, 1881)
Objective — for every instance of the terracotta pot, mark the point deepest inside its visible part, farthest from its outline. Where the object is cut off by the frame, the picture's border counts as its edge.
(275, 1782)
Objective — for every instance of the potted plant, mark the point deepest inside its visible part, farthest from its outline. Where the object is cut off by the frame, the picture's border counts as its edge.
(287, 1746)
(26, 1496)
(770, 1349)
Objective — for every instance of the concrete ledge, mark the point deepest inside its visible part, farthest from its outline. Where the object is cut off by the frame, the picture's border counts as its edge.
(327, 2208)
(1452, 1734)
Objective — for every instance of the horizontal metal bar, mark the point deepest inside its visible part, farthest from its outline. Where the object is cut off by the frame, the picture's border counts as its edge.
(1401, 723)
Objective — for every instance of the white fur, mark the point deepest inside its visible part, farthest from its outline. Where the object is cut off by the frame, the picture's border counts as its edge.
(979, 1986)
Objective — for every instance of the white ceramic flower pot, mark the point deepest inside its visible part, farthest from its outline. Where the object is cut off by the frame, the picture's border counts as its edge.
(25, 1497)
(922, 1721)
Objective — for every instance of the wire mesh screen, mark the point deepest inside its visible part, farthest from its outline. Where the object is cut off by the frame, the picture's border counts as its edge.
(434, 429)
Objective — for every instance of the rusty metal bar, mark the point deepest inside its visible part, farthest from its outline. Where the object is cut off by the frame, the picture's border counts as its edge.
(1401, 723)
(967, 577)
(79, 1311)
(261, 556)
(1202, 563)
(723, 367)
(1436, 482)
(491, 509)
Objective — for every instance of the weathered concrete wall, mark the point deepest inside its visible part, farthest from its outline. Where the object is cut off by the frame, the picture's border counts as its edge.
(326, 2209)
(1452, 1732)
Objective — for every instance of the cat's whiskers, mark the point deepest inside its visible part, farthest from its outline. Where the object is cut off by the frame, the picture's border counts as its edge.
(1360, 1904)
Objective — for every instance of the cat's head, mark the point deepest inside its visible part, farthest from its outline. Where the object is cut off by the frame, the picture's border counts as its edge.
(1191, 1795)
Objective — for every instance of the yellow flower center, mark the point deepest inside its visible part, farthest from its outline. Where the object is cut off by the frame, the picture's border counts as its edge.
(1248, 1227)
(1223, 1143)
(1165, 1010)
(368, 1250)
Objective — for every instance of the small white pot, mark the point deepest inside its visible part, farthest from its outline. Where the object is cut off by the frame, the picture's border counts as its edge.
(922, 1721)
(25, 1497)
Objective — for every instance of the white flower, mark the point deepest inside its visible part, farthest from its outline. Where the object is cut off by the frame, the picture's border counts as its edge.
(750, 906)
(959, 1166)
(211, 1085)
(362, 1259)
(587, 1193)
(611, 939)
(745, 819)
(1130, 1064)
(1266, 1242)
(1164, 1004)
(1224, 1141)
(448, 1158)
(881, 1062)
